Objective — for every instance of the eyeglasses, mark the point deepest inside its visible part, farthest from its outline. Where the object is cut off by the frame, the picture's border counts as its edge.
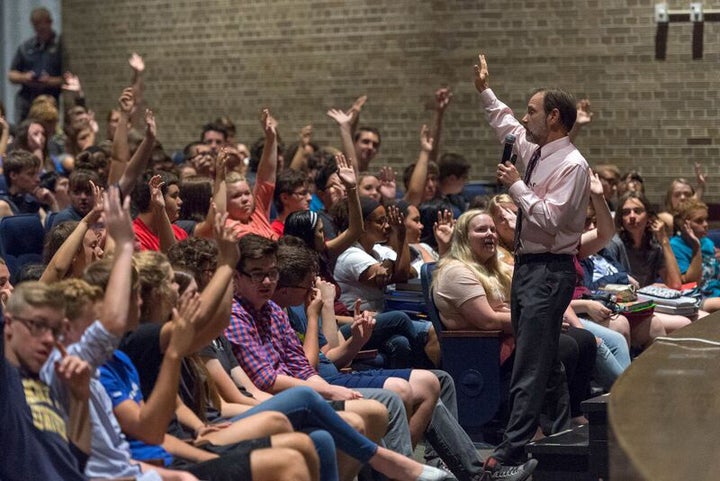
(38, 329)
(302, 193)
(258, 277)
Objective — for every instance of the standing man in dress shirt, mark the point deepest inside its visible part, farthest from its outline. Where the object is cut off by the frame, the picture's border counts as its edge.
(38, 64)
(552, 197)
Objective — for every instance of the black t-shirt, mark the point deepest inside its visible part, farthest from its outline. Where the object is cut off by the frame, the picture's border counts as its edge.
(33, 434)
(221, 350)
(142, 346)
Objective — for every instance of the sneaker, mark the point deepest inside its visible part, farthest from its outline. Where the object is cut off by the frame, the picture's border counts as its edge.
(509, 473)
(440, 464)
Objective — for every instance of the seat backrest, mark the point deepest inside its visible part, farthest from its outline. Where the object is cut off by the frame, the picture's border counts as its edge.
(21, 234)
(432, 311)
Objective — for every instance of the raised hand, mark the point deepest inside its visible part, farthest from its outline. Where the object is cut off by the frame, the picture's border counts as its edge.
(357, 106)
(345, 171)
(117, 217)
(363, 324)
(71, 82)
(156, 196)
(659, 230)
(342, 118)
(96, 212)
(481, 74)
(443, 227)
(45, 196)
(126, 102)
(689, 234)
(314, 302)
(136, 62)
(396, 219)
(269, 124)
(388, 186)
(150, 125)
(442, 98)
(584, 114)
(426, 142)
(306, 135)
(228, 249)
(221, 163)
(74, 373)
(184, 318)
(699, 176)
(596, 187)
(327, 289)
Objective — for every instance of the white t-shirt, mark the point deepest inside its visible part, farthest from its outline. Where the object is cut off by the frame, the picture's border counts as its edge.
(348, 268)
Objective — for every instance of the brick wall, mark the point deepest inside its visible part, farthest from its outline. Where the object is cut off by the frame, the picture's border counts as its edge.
(210, 57)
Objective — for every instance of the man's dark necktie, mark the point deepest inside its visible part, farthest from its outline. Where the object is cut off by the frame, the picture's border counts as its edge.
(528, 174)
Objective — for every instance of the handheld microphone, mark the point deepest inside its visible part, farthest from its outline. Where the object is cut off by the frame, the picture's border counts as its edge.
(507, 149)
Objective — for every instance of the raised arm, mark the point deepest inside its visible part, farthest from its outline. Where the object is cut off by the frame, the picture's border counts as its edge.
(594, 240)
(356, 225)
(267, 168)
(299, 160)
(139, 161)
(161, 221)
(72, 92)
(584, 117)
(344, 121)
(148, 422)
(62, 261)
(137, 64)
(416, 186)
(344, 350)
(311, 344)
(694, 270)
(700, 179)
(443, 230)
(75, 374)
(671, 273)
(216, 298)
(117, 294)
(442, 100)
(218, 203)
(398, 241)
(120, 153)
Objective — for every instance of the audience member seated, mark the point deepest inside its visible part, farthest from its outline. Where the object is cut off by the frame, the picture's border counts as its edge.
(158, 201)
(25, 196)
(82, 196)
(40, 439)
(249, 210)
(291, 195)
(471, 289)
(696, 253)
(678, 192)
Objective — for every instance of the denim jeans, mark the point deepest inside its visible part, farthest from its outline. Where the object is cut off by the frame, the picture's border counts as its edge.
(307, 411)
(447, 439)
(613, 355)
(401, 339)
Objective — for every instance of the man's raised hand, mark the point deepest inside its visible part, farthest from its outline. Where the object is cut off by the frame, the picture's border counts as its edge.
(481, 74)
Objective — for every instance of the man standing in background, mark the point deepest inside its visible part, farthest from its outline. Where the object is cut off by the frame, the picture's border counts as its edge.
(38, 64)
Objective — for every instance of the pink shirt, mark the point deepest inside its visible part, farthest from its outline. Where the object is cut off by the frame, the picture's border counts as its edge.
(259, 223)
(554, 204)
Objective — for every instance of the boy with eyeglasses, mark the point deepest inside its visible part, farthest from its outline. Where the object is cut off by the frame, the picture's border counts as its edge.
(39, 439)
